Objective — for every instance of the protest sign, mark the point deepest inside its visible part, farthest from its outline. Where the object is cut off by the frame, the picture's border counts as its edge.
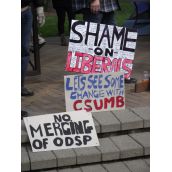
(98, 48)
(61, 131)
(95, 92)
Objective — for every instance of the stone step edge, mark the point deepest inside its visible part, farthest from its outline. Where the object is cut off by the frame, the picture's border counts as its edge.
(113, 125)
(121, 163)
(112, 148)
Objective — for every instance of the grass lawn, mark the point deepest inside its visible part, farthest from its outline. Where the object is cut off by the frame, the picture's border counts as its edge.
(50, 27)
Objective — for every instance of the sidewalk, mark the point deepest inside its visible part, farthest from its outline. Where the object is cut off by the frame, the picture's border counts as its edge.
(123, 135)
(49, 89)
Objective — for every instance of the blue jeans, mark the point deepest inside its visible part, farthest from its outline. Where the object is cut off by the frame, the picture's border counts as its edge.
(26, 27)
(100, 17)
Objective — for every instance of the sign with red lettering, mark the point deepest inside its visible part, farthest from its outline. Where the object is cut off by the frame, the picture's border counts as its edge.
(99, 48)
(95, 92)
(61, 131)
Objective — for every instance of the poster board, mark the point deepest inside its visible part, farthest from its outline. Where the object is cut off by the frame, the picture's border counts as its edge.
(61, 131)
(95, 92)
(98, 48)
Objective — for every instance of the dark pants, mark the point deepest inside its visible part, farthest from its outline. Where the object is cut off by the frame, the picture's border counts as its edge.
(100, 17)
(61, 11)
(26, 27)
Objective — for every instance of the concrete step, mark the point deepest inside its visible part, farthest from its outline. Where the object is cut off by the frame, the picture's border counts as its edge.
(138, 165)
(114, 148)
(113, 122)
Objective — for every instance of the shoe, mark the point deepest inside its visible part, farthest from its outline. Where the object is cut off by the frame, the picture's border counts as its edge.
(131, 81)
(26, 92)
(41, 41)
(63, 40)
(23, 114)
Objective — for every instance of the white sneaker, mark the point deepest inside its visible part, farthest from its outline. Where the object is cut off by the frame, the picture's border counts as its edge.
(41, 40)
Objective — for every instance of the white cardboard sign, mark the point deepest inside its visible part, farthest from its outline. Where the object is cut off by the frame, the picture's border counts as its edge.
(95, 92)
(99, 48)
(61, 131)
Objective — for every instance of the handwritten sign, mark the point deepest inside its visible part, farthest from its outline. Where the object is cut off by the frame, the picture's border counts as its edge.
(61, 131)
(98, 48)
(95, 92)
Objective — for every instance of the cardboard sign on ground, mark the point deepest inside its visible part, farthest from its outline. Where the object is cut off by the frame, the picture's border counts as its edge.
(61, 131)
(95, 92)
(99, 48)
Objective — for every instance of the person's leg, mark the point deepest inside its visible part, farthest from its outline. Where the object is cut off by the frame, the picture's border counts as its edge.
(61, 20)
(109, 18)
(26, 26)
(70, 14)
(91, 17)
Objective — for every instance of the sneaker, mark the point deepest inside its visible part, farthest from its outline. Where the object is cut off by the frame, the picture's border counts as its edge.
(41, 41)
(63, 40)
(23, 114)
(26, 92)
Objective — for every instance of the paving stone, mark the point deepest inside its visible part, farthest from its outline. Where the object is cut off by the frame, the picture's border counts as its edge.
(25, 162)
(107, 121)
(128, 147)
(128, 119)
(144, 140)
(97, 126)
(147, 160)
(137, 165)
(42, 160)
(49, 170)
(116, 167)
(129, 87)
(93, 168)
(144, 113)
(24, 136)
(65, 157)
(70, 170)
(108, 149)
(87, 155)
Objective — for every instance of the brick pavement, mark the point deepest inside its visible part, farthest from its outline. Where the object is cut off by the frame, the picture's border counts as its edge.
(49, 88)
(122, 135)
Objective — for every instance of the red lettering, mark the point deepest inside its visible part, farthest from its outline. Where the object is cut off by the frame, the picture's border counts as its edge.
(97, 68)
(106, 65)
(107, 101)
(86, 63)
(127, 68)
(116, 63)
(69, 56)
(87, 102)
(75, 105)
(96, 104)
(75, 63)
(119, 101)
(79, 59)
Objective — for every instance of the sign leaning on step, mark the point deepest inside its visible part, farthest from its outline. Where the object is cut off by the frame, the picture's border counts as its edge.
(95, 92)
(99, 48)
(61, 131)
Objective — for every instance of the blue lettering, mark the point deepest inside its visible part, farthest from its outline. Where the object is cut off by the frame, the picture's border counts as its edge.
(83, 83)
(121, 81)
(108, 81)
(73, 95)
(109, 92)
(92, 81)
(100, 81)
(67, 84)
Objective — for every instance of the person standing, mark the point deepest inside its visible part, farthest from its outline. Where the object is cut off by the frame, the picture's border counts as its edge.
(98, 11)
(62, 7)
(26, 28)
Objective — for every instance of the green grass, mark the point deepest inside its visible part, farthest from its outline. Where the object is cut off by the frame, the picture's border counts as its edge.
(50, 27)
